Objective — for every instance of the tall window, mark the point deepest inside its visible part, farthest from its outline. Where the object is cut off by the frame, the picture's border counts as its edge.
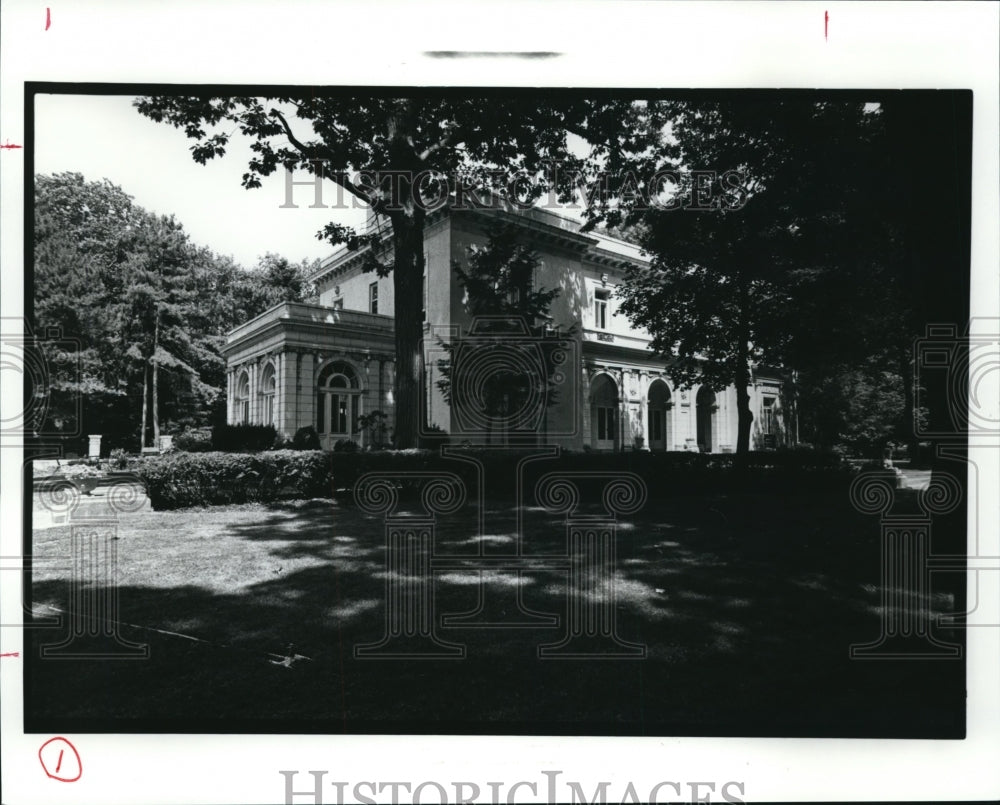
(767, 420)
(656, 424)
(605, 423)
(337, 400)
(267, 389)
(243, 399)
(601, 309)
(373, 298)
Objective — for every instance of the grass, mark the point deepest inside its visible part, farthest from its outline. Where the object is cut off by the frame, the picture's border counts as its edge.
(746, 606)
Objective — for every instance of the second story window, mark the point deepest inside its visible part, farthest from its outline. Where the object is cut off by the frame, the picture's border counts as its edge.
(601, 309)
(373, 298)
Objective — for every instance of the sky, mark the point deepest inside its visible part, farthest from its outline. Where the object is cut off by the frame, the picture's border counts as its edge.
(105, 137)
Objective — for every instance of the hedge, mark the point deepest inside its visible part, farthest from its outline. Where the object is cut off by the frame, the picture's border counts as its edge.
(179, 480)
(239, 438)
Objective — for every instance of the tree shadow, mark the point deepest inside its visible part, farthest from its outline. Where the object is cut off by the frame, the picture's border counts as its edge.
(747, 612)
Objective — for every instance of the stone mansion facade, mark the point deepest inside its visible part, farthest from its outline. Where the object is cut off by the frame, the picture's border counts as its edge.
(328, 364)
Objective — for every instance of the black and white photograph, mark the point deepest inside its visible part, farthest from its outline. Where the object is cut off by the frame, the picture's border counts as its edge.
(623, 411)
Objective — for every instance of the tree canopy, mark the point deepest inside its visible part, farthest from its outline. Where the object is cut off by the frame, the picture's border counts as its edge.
(143, 307)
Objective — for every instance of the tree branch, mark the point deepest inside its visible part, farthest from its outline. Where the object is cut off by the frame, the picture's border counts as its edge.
(314, 153)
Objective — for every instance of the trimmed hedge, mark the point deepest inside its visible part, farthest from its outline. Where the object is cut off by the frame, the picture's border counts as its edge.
(179, 480)
(239, 438)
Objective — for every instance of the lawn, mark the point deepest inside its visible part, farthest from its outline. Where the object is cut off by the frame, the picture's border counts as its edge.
(746, 606)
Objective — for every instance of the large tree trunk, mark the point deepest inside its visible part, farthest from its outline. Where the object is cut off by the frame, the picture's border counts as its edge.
(145, 406)
(742, 380)
(408, 279)
(407, 219)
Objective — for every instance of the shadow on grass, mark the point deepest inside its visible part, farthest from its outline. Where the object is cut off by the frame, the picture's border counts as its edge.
(746, 609)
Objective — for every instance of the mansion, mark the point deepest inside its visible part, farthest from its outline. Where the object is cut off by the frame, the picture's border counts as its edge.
(329, 364)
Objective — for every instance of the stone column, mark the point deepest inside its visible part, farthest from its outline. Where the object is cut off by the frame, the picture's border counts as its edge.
(644, 409)
(95, 446)
(254, 393)
(306, 407)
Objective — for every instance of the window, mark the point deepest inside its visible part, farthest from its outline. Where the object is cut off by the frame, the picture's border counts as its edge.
(337, 401)
(767, 420)
(601, 309)
(243, 400)
(605, 423)
(267, 388)
(656, 424)
(373, 298)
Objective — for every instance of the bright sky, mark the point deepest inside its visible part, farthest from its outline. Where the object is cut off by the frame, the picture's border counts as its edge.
(105, 137)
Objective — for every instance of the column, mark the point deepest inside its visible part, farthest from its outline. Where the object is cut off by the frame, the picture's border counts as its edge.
(254, 396)
(644, 409)
(306, 390)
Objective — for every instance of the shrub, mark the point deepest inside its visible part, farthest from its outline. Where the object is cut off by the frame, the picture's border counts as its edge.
(306, 439)
(243, 438)
(374, 424)
(194, 441)
(345, 446)
(178, 480)
(119, 459)
(192, 479)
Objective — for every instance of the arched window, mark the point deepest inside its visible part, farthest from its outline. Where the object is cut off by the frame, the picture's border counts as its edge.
(604, 413)
(268, 385)
(243, 399)
(338, 398)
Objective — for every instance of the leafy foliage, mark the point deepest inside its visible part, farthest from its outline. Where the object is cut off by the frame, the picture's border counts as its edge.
(137, 299)
(747, 278)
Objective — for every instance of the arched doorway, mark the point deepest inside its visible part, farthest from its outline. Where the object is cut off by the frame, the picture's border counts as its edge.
(658, 426)
(706, 406)
(604, 413)
(338, 403)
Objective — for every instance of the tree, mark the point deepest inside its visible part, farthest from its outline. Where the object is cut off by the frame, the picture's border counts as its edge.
(734, 260)
(510, 319)
(146, 310)
(400, 157)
